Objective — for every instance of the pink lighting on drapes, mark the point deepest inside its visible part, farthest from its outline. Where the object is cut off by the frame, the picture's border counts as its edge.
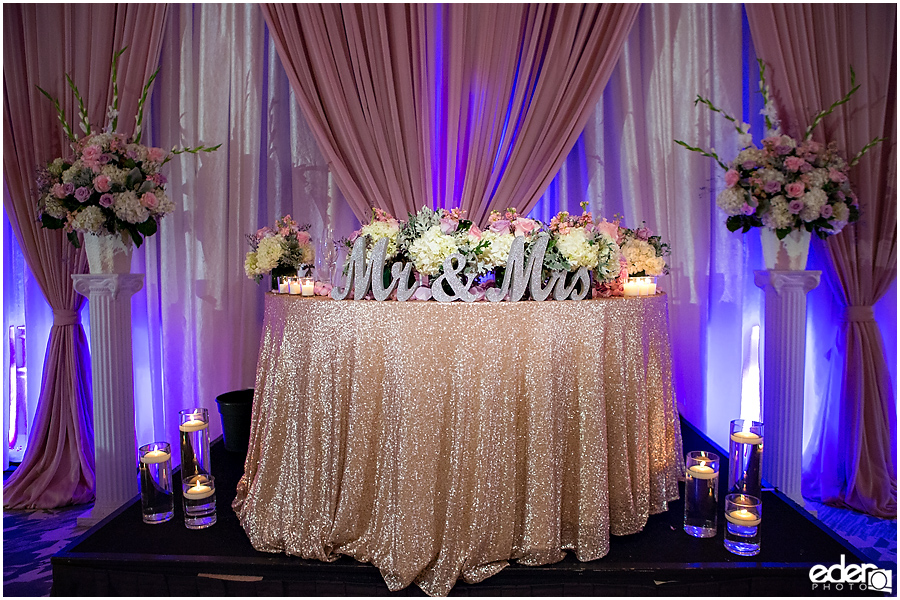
(810, 49)
(447, 105)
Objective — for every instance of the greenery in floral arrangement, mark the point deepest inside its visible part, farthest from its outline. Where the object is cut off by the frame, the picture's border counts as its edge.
(786, 185)
(580, 243)
(283, 250)
(112, 185)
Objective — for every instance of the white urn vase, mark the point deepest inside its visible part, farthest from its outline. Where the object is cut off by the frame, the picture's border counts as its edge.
(108, 254)
(788, 254)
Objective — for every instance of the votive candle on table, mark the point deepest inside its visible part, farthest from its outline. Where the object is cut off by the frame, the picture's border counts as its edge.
(701, 493)
(295, 286)
(743, 514)
(193, 431)
(745, 449)
(631, 288)
(284, 285)
(199, 494)
(155, 468)
(308, 286)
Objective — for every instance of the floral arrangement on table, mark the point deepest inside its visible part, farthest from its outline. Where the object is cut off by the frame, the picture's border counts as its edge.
(112, 185)
(571, 242)
(283, 250)
(786, 185)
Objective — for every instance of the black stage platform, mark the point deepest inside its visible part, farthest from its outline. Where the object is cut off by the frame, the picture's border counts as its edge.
(121, 556)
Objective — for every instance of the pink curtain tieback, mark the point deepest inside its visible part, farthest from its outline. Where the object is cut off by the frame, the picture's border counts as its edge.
(859, 314)
(62, 317)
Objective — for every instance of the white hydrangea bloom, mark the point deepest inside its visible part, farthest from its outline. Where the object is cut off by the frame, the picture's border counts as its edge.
(116, 175)
(576, 249)
(497, 252)
(818, 178)
(381, 229)
(731, 200)
(779, 215)
(54, 208)
(72, 172)
(164, 203)
(641, 256)
(756, 155)
(89, 220)
(128, 207)
(251, 267)
(813, 201)
(429, 251)
(269, 252)
(766, 175)
(841, 212)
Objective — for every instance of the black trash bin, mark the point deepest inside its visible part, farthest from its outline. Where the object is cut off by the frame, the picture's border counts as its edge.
(236, 409)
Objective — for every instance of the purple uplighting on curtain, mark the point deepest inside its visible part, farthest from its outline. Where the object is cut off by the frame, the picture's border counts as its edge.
(811, 49)
(464, 105)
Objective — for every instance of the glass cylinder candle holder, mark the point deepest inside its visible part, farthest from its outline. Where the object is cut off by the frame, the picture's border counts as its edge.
(199, 494)
(294, 286)
(647, 286)
(157, 495)
(307, 286)
(745, 458)
(632, 287)
(743, 514)
(284, 285)
(193, 430)
(701, 493)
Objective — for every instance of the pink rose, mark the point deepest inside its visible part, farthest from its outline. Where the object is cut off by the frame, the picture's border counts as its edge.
(524, 227)
(643, 233)
(474, 232)
(156, 154)
(610, 229)
(303, 237)
(772, 187)
(836, 176)
(795, 190)
(68, 189)
(448, 225)
(732, 177)
(747, 209)
(795, 207)
(91, 156)
(826, 211)
(101, 183)
(322, 289)
(500, 226)
(106, 200)
(793, 163)
(59, 190)
(149, 200)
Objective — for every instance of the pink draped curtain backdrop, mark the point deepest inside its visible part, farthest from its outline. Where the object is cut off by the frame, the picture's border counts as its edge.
(810, 49)
(41, 42)
(475, 106)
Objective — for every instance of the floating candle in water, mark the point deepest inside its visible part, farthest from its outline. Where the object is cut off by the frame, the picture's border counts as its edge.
(743, 517)
(155, 456)
(199, 491)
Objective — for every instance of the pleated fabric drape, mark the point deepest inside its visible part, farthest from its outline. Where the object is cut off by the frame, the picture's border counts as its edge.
(41, 42)
(629, 164)
(475, 106)
(811, 49)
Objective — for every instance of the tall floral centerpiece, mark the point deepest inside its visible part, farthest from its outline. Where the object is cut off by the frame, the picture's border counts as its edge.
(283, 250)
(110, 192)
(787, 188)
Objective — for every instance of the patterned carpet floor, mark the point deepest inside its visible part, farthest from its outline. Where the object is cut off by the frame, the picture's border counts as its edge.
(31, 537)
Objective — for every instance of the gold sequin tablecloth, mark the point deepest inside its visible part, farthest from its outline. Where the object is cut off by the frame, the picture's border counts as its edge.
(439, 441)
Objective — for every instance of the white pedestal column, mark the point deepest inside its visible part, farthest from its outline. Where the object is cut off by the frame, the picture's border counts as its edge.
(784, 355)
(115, 452)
